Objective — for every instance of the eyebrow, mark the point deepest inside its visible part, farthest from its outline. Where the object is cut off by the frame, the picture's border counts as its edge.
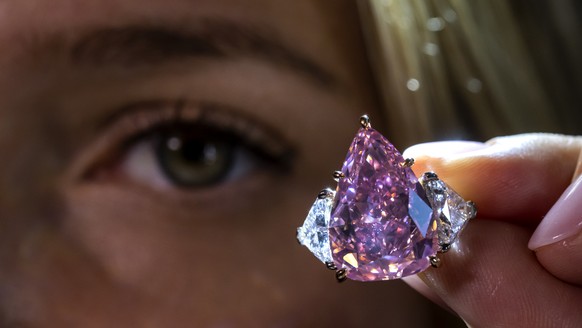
(141, 45)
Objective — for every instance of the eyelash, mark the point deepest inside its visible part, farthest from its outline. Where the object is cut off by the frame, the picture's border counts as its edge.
(137, 123)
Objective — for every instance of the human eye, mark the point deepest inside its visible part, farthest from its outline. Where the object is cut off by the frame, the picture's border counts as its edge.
(189, 148)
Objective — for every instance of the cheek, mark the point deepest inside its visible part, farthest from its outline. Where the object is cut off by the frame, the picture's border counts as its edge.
(212, 263)
(52, 282)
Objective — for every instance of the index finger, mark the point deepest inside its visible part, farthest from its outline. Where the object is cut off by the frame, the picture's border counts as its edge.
(516, 178)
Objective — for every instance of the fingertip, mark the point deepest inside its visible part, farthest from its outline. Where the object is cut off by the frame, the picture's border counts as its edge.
(563, 220)
(562, 259)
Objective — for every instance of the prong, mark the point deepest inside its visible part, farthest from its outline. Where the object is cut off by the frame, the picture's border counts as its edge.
(330, 265)
(325, 193)
(408, 162)
(430, 176)
(297, 237)
(365, 121)
(473, 210)
(445, 248)
(435, 261)
(341, 275)
(338, 175)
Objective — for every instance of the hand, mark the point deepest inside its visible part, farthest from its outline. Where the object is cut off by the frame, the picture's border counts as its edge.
(491, 278)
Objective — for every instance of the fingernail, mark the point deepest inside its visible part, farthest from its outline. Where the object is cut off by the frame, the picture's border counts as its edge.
(578, 171)
(443, 148)
(563, 220)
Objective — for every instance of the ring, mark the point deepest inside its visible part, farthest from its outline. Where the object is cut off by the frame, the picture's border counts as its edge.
(382, 222)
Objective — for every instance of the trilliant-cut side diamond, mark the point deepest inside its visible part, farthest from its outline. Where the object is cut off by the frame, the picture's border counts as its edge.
(314, 233)
(381, 225)
(453, 211)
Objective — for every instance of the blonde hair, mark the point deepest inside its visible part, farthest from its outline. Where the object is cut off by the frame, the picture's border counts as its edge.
(475, 68)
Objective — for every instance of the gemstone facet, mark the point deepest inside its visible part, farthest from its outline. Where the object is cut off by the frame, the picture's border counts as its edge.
(382, 222)
(452, 210)
(419, 210)
(314, 233)
(381, 225)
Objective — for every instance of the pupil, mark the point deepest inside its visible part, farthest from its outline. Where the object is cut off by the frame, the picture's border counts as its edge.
(199, 152)
(210, 154)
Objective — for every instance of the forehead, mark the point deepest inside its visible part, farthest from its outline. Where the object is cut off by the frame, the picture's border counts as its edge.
(57, 13)
(35, 34)
(302, 22)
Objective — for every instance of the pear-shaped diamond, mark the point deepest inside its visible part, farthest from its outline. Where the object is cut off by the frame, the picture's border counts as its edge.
(314, 233)
(381, 226)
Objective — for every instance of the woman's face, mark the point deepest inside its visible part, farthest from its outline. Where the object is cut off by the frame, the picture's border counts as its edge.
(157, 157)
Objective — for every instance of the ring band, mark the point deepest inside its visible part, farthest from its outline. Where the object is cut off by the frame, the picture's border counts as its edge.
(382, 222)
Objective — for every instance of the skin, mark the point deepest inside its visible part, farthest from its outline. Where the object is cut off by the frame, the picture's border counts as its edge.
(490, 278)
(94, 234)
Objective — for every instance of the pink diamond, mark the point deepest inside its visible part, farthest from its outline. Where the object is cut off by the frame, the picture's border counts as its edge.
(373, 234)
